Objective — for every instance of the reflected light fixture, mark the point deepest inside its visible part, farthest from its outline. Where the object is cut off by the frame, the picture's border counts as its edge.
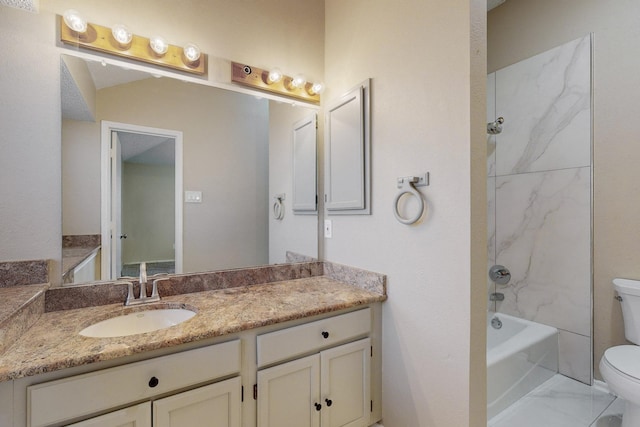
(275, 75)
(298, 82)
(122, 34)
(75, 21)
(159, 45)
(316, 89)
(120, 41)
(275, 82)
(191, 52)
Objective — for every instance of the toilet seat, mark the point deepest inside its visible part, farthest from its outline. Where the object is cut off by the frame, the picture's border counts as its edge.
(625, 359)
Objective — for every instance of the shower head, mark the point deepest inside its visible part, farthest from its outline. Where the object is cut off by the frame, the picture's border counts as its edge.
(495, 128)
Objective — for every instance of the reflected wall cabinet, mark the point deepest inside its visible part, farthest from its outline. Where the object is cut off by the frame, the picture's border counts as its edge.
(304, 166)
(348, 153)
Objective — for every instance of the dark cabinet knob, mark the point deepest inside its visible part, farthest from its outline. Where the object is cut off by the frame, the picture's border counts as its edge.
(318, 406)
(153, 382)
(325, 334)
(329, 402)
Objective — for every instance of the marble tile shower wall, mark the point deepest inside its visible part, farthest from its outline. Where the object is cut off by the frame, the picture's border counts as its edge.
(539, 195)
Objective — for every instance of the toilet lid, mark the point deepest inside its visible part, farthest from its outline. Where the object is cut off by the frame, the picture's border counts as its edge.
(625, 358)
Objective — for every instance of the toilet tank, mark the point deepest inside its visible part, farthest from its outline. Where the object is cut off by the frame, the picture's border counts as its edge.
(629, 292)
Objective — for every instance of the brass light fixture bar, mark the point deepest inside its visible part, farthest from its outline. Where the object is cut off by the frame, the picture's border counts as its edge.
(101, 39)
(258, 78)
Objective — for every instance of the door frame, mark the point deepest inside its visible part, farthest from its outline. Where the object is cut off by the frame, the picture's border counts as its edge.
(106, 226)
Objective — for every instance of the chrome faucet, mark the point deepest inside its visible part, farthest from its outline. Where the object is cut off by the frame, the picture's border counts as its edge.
(143, 298)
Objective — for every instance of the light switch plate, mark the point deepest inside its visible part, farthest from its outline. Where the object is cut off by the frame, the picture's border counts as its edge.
(193, 196)
(328, 228)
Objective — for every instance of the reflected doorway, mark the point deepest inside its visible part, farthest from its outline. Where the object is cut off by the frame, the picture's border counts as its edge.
(141, 200)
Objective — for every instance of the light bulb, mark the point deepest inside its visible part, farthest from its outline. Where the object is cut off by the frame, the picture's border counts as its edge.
(75, 21)
(316, 89)
(275, 76)
(191, 52)
(298, 81)
(122, 34)
(159, 45)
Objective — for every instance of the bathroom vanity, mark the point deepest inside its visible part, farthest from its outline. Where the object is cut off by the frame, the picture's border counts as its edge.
(303, 352)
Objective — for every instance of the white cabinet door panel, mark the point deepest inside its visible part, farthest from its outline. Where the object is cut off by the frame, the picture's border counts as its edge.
(214, 405)
(135, 416)
(345, 379)
(287, 394)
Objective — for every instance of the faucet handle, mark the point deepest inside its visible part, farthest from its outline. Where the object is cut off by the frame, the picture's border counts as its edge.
(130, 296)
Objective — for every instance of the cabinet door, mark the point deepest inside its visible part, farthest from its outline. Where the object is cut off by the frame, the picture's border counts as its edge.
(288, 394)
(345, 385)
(215, 405)
(135, 416)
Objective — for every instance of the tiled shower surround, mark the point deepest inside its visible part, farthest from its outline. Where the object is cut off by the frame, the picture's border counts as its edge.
(539, 195)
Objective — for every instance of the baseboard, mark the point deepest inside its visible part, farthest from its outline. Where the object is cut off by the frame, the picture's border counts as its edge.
(602, 386)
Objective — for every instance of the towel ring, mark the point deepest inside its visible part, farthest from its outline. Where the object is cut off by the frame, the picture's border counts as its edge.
(407, 187)
(278, 207)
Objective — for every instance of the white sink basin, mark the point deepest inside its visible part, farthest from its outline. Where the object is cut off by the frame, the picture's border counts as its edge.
(138, 323)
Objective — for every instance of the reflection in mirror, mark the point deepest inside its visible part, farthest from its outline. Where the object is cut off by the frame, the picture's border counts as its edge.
(237, 154)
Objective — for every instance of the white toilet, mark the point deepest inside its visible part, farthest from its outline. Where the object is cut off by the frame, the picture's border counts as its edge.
(620, 365)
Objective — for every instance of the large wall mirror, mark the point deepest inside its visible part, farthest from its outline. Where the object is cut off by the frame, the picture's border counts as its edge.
(189, 172)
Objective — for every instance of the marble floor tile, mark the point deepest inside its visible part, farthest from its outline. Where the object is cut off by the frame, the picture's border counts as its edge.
(559, 402)
(612, 416)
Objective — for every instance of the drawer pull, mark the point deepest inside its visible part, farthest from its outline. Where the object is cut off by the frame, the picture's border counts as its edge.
(153, 382)
(325, 334)
(329, 402)
(318, 406)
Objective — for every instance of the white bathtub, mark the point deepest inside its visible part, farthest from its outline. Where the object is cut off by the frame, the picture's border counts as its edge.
(521, 355)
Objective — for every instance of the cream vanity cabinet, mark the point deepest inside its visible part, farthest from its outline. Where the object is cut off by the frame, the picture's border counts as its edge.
(156, 383)
(331, 387)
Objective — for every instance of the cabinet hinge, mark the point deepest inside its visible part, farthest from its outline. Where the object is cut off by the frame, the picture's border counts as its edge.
(255, 392)
(372, 406)
(241, 393)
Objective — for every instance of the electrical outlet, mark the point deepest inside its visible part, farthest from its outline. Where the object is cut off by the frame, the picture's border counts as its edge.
(328, 229)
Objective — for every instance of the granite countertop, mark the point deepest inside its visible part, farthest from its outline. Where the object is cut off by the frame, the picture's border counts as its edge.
(54, 343)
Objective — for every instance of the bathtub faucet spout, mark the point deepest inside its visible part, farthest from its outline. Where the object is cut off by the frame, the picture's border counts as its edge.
(496, 296)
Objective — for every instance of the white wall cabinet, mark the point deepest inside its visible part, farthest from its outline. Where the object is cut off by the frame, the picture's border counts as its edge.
(348, 153)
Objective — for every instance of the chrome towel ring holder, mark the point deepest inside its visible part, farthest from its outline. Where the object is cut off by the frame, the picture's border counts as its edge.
(407, 185)
(278, 206)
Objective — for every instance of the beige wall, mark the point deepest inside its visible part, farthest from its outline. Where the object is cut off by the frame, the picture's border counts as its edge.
(80, 178)
(519, 29)
(148, 212)
(427, 115)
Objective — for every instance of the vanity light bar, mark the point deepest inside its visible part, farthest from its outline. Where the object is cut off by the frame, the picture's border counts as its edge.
(258, 78)
(101, 39)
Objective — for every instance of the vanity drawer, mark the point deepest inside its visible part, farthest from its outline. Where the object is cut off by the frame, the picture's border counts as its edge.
(298, 340)
(90, 393)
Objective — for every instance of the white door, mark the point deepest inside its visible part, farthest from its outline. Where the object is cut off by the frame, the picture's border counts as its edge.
(345, 385)
(134, 416)
(215, 405)
(116, 206)
(288, 394)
